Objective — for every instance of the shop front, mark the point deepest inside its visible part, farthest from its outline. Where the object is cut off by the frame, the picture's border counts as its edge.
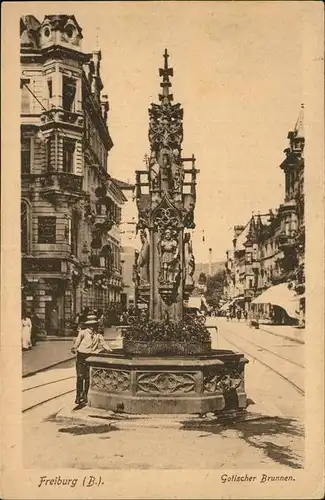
(50, 290)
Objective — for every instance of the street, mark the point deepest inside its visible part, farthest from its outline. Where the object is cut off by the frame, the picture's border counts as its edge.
(57, 436)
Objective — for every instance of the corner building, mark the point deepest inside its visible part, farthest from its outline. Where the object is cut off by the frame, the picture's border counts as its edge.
(70, 205)
(270, 249)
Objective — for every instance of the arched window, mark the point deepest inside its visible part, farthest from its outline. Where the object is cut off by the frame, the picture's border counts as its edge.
(25, 227)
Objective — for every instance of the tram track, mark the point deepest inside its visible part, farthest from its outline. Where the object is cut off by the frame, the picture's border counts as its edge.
(267, 350)
(37, 398)
(46, 383)
(297, 387)
(40, 403)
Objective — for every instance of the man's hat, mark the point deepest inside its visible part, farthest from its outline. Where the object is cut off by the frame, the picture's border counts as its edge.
(91, 320)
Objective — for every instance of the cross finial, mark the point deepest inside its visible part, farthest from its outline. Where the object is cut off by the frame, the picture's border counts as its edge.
(97, 38)
(166, 72)
(166, 55)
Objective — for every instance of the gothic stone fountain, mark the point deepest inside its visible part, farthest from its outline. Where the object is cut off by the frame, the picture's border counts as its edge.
(167, 364)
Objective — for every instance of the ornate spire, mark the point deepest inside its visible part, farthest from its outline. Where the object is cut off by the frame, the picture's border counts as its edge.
(166, 122)
(299, 127)
(251, 235)
(166, 72)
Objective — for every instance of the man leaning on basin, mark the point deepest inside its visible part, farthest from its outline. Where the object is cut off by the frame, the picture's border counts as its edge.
(90, 340)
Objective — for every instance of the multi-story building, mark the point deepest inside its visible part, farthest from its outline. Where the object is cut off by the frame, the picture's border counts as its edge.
(291, 239)
(130, 244)
(70, 205)
(270, 249)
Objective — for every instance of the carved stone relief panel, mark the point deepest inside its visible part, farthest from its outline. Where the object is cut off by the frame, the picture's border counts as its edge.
(165, 383)
(112, 380)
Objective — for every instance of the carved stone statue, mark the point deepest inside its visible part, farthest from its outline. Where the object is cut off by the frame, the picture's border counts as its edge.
(166, 173)
(154, 172)
(135, 275)
(169, 254)
(143, 259)
(176, 172)
(189, 260)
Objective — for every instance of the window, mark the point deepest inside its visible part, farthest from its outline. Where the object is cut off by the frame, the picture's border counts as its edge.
(70, 31)
(25, 100)
(48, 147)
(68, 156)
(24, 229)
(250, 285)
(69, 232)
(25, 155)
(74, 233)
(69, 92)
(46, 229)
(50, 88)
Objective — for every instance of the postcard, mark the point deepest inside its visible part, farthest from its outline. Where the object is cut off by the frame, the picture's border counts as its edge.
(162, 330)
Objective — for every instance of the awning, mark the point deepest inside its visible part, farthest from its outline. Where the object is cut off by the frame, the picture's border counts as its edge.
(282, 296)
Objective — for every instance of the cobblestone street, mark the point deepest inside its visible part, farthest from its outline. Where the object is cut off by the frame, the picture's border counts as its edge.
(57, 436)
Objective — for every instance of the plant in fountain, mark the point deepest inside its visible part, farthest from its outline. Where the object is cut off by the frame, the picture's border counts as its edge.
(166, 337)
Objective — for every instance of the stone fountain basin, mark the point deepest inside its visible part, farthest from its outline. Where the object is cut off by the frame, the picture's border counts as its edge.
(167, 385)
(165, 348)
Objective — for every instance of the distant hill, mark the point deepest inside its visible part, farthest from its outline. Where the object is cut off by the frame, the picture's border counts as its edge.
(203, 267)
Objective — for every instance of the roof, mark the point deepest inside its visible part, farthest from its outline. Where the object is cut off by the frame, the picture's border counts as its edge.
(29, 22)
(255, 223)
(59, 21)
(123, 184)
(118, 189)
(29, 26)
(242, 237)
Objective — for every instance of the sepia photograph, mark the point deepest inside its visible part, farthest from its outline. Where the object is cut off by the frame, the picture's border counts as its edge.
(166, 316)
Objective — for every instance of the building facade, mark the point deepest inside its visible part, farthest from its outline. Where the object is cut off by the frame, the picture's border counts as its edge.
(70, 205)
(270, 248)
(130, 245)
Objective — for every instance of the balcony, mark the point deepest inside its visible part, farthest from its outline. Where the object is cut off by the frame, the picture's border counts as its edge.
(61, 183)
(100, 218)
(97, 261)
(61, 116)
(289, 206)
(104, 223)
(286, 241)
(117, 272)
(249, 293)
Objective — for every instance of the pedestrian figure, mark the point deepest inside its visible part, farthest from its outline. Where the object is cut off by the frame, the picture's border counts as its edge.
(239, 314)
(228, 315)
(26, 332)
(35, 328)
(54, 321)
(245, 315)
(88, 342)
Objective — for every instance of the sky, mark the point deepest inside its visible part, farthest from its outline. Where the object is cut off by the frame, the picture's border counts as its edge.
(238, 75)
